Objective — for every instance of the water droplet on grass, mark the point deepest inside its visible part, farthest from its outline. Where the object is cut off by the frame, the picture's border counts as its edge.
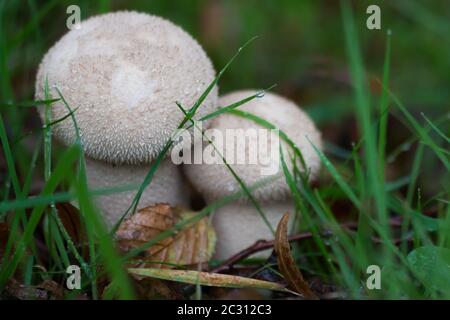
(261, 94)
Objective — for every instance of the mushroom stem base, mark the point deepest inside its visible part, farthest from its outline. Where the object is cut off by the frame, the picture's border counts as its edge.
(167, 186)
(238, 226)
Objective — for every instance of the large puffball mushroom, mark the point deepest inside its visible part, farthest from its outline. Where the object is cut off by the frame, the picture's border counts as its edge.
(123, 73)
(239, 224)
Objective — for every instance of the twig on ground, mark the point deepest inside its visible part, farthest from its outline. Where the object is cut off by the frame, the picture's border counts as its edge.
(261, 245)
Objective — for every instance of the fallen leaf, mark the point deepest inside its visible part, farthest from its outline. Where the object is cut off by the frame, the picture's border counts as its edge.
(55, 290)
(70, 218)
(207, 279)
(192, 245)
(286, 262)
(22, 292)
(46, 290)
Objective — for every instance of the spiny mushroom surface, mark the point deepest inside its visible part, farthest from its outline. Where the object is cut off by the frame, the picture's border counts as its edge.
(239, 224)
(123, 72)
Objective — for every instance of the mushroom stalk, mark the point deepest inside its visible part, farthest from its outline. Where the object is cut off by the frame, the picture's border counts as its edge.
(167, 186)
(241, 225)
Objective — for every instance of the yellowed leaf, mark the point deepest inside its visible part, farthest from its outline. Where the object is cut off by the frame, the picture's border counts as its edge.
(207, 279)
(192, 245)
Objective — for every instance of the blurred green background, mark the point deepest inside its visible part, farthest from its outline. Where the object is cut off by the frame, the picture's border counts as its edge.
(300, 48)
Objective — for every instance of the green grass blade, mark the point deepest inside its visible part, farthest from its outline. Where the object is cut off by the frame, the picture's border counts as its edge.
(266, 124)
(188, 116)
(60, 197)
(203, 96)
(9, 159)
(38, 16)
(384, 105)
(27, 104)
(362, 104)
(302, 209)
(336, 176)
(235, 105)
(435, 128)
(242, 184)
(421, 132)
(60, 172)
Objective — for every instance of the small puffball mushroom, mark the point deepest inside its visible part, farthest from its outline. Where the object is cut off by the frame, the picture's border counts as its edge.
(123, 73)
(239, 224)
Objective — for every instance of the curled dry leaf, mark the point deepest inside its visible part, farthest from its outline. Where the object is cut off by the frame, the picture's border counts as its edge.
(207, 279)
(286, 262)
(192, 245)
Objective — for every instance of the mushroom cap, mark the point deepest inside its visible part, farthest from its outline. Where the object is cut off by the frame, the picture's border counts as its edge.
(123, 72)
(215, 180)
(168, 186)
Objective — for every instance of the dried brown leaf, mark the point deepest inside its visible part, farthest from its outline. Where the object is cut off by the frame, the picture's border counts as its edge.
(206, 279)
(22, 292)
(286, 262)
(70, 218)
(55, 290)
(192, 245)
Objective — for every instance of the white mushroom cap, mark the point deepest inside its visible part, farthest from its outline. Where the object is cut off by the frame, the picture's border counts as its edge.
(124, 71)
(167, 186)
(215, 180)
